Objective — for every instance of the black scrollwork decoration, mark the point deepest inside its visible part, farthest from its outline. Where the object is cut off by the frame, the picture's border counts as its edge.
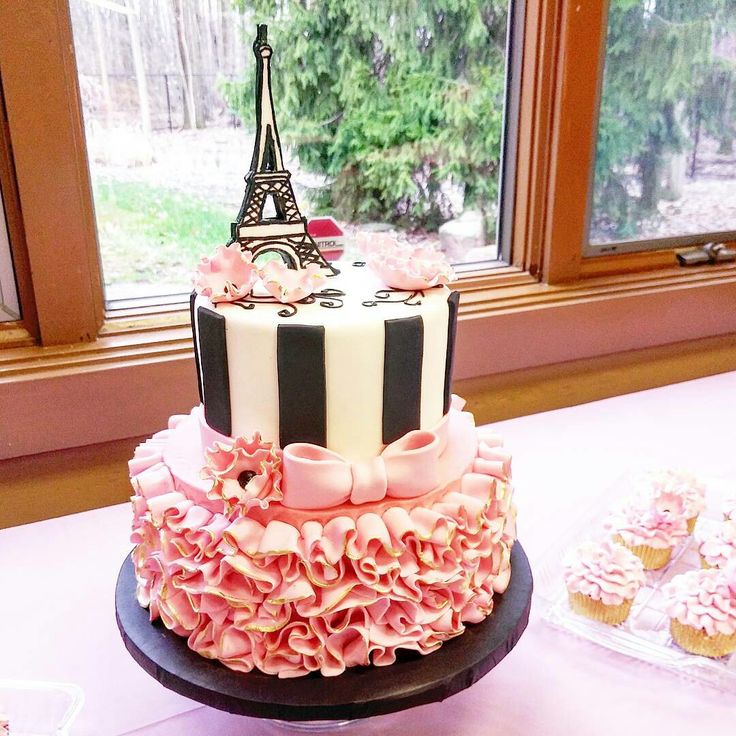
(383, 296)
(330, 298)
(327, 298)
(289, 310)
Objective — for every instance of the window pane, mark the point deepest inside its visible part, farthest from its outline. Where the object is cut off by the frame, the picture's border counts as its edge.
(665, 161)
(9, 306)
(394, 122)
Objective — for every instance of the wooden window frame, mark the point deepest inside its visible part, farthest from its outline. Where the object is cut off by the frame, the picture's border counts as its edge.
(133, 368)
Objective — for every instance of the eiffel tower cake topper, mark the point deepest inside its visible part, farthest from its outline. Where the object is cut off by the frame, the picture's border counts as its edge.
(285, 234)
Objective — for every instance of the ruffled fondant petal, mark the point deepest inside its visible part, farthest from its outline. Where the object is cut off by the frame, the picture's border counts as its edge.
(289, 600)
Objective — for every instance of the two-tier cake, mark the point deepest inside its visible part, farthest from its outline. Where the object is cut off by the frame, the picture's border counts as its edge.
(329, 503)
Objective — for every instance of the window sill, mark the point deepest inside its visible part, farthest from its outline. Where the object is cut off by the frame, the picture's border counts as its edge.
(90, 477)
(139, 371)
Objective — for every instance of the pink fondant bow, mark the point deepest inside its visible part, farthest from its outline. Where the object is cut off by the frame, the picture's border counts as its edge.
(317, 478)
(420, 461)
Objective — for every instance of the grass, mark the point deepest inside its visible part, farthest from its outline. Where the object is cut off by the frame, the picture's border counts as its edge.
(152, 235)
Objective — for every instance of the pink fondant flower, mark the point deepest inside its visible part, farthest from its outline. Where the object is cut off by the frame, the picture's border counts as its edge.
(245, 473)
(656, 522)
(402, 266)
(654, 484)
(229, 275)
(289, 285)
(370, 244)
(669, 503)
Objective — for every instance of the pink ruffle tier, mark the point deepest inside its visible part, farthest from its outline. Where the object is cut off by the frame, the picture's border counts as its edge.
(291, 592)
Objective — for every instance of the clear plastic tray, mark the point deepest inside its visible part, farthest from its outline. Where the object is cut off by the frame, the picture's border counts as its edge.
(39, 708)
(645, 634)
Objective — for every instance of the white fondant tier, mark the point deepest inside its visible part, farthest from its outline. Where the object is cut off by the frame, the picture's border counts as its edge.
(371, 370)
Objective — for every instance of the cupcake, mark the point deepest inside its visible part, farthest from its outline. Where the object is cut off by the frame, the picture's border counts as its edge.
(602, 579)
(650, 528)
(685, 485)
(701, 605)
(729, 508)
(717, 545)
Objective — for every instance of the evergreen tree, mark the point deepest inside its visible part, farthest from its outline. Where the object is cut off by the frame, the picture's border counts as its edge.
(391, 99)
(661, 84)
(394, 99)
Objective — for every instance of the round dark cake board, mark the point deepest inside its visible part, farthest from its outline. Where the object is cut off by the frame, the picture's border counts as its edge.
(360, 692)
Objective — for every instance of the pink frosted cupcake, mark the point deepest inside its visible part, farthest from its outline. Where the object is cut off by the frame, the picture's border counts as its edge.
(650, 529)
(718, 545)
(701, 605)
(729, 508)
(602, 581)
(665, 482)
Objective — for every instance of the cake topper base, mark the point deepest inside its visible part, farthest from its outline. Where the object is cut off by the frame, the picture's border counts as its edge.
(360, 692)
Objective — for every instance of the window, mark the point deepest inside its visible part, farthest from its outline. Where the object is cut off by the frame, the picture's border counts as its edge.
(394, 123)
(548, 305)
(665, 170)
(9, 306)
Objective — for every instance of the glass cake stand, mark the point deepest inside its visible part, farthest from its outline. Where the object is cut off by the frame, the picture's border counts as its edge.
(312, 726)
(304, 703)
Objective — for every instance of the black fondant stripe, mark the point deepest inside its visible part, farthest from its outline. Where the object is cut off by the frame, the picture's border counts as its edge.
(402, 376)
(215, 378)
(300, 351)
(453, 302)
(192, 298)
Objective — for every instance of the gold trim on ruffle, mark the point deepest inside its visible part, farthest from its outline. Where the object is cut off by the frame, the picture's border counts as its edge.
(264, 629)
(441, 610)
